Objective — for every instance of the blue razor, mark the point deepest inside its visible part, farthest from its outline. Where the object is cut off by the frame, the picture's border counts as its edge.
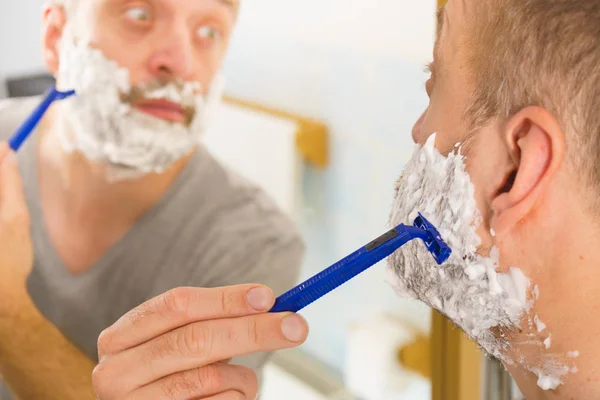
(23, 132)
(359, 261)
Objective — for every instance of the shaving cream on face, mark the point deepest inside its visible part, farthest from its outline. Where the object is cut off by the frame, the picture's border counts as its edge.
(440, 188)
(107, 129)
(547, 382)
(471, 292)
(539, 324)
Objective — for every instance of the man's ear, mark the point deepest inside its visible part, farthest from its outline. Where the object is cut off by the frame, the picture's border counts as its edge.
(54, 19)
(536, 144)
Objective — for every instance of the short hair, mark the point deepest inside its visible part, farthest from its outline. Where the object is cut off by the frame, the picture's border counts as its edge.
(544, 53)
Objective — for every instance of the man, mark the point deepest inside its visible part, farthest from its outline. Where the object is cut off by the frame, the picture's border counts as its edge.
(515, 84)
(124, 202)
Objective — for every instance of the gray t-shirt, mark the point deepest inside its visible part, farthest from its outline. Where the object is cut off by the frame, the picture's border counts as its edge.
(212, 228)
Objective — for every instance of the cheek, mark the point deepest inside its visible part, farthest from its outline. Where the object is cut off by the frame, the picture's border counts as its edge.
(206, 65)
(439, 119)
(116, 44)
(483, 204)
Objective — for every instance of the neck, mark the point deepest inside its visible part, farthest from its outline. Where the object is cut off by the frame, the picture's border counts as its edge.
(568, 279)
(82, 186)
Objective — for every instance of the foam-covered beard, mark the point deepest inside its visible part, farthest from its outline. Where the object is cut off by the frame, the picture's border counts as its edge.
(466, 288)
(488, 305)
(104, 126)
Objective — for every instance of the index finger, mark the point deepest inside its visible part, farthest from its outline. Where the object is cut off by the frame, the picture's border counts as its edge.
(180, 307)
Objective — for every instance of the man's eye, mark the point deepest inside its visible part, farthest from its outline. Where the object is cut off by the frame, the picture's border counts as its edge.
(209, 32)
(139, 14)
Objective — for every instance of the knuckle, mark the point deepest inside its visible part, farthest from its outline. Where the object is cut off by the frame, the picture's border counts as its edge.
(224, 301)
(195, 339)
(176, 302)
(253, 334)
(180, 384)
(210, 378)
(104, 342)
(244, 334)
(249, 380)
(102, 382)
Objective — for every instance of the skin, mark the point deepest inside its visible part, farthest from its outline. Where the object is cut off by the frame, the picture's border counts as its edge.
(175, 346)
(529, 194)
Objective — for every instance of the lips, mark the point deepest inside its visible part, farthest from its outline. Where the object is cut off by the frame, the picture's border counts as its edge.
(162, 109)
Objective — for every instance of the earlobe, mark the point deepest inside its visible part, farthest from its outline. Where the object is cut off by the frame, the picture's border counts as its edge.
(536, 143)
(53, 23)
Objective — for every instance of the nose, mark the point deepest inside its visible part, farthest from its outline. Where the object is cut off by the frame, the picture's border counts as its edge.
(173, 56)
(417, 128)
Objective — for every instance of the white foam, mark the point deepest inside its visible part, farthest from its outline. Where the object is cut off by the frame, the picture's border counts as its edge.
(573, 354)
(106, 129)
(472, 292)
(540, 326)
(547, 382)
(548, 342)
(446, 196)
(536, 292)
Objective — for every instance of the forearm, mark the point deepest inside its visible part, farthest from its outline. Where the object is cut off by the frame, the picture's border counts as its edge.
(37, 361)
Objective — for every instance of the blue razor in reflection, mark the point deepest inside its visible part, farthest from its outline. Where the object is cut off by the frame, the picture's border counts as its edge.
(23, 132)
(359, 261)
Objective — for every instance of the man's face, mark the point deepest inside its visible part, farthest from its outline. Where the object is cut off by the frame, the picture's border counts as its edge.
(448, 89)
(518, 186)
(162, 40)
(145, 75)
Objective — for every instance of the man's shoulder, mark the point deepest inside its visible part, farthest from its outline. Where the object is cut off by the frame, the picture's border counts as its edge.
(13, 112)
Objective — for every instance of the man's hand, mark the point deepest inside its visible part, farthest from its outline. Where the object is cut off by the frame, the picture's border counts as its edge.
(16, 252)
(173, 346)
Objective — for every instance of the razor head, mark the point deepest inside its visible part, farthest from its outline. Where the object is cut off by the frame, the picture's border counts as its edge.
(58, 95)
(434, 243)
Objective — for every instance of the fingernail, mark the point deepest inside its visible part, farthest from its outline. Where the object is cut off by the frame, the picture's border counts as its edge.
(260, 298)
(293, 328)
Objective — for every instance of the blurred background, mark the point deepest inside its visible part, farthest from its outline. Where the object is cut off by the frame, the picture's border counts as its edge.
(347, 76)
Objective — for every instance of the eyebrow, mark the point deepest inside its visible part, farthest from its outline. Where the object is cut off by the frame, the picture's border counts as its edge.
(234, 4)
(442, 19)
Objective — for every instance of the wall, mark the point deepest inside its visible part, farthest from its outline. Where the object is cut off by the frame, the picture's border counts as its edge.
(20, 48)
(358, 66)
